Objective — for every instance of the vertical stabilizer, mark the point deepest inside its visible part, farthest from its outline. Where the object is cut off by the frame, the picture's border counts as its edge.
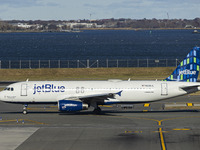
(188, 69)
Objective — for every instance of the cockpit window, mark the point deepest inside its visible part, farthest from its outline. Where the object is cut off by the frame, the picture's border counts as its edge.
(5, 89)
(9, 89)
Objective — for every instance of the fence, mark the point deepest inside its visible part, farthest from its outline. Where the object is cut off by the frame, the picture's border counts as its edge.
(22, 64)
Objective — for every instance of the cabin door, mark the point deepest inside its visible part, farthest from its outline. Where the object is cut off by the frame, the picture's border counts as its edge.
(164, 89)
(24, 90)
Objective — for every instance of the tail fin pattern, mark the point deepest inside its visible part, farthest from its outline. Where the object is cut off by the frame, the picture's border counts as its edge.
(188, 69)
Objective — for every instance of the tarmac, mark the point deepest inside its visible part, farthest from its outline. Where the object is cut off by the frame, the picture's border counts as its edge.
(171, 124)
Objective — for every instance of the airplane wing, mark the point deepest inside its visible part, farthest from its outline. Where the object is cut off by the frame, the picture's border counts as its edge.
(190, 89)
(95, 97)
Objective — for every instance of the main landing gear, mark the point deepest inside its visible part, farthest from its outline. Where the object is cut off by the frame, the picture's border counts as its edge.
(97, 110)
(25, 109)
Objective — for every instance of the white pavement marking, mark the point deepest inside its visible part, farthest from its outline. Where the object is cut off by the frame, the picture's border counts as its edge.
(12, 137)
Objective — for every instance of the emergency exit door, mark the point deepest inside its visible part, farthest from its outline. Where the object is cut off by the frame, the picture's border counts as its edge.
(24, 90)
(164, 89)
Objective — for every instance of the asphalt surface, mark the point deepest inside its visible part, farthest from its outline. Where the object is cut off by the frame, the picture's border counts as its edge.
(138, 128)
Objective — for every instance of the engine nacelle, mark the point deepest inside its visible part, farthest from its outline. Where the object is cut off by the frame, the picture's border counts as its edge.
(71, 105)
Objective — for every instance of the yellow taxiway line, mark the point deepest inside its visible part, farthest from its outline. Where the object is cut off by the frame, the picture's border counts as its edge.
(162, 141)
(21, 120)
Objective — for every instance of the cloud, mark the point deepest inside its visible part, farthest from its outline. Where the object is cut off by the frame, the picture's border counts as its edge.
(136, 4)
(19, 3)
(80, 9)
(148, 8)
(92, 5)
(120, 4)
(26, 3)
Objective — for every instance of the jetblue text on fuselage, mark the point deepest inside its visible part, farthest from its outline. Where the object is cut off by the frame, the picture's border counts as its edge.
(48, 88)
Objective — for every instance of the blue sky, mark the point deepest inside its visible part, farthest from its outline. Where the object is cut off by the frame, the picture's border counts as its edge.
(101, 9)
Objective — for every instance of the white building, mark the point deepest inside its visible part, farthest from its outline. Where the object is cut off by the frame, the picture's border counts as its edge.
(24, 25)
(85, 25)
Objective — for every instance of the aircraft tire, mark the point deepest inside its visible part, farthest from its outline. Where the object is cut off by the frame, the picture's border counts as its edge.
(97, 110)
(24, 112)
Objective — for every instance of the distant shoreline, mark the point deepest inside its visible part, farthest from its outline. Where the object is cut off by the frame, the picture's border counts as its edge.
(84, 29)
(138, 29)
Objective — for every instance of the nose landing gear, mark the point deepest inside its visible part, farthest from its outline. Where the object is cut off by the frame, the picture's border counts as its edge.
(25, 109)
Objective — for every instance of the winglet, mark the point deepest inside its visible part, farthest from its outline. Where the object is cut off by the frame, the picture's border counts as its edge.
(119, 93)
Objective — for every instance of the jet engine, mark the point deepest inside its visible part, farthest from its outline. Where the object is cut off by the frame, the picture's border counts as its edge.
(71, 105)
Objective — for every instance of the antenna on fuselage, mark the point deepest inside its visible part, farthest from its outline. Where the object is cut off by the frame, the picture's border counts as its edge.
(27, 80)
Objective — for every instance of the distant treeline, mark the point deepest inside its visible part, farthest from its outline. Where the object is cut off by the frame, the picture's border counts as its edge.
(149, 23)
(4, 26)
(58, 25)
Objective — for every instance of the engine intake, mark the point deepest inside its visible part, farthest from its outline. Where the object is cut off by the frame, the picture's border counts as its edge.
(69, 105)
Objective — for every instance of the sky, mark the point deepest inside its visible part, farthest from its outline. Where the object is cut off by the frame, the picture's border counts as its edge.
(98, 9)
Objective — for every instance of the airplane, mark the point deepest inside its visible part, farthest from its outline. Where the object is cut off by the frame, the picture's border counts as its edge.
(80, 95)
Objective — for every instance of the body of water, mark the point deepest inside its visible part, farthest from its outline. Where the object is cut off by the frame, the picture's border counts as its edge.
(98, 44)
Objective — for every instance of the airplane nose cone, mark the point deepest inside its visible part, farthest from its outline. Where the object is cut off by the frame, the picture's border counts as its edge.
(1, 96)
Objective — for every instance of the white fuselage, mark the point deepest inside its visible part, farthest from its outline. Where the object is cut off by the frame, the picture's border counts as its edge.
(132, 91)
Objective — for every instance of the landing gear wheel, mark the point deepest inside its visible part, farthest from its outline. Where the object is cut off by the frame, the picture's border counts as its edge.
(97, 110)
(25, 112)
(25, 109)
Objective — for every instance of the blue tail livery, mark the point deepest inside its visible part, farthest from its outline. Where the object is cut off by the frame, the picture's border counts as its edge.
(188, 69)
